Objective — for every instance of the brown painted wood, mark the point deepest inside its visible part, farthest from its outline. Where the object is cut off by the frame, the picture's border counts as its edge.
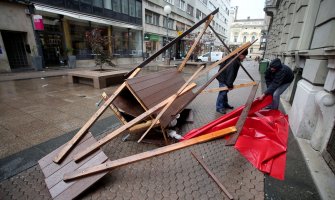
(243, 116)
(116, 132)
(145, 155)
(196, 41)
(171, 101)
(226, 88)
(69, 145)
(126, 102)
(212, 175)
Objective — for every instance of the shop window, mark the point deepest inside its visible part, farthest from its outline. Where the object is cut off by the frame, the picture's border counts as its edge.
(127, 43)
(80, 47)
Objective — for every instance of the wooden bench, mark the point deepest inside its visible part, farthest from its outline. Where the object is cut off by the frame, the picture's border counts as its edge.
(195, 64)
(96, 78)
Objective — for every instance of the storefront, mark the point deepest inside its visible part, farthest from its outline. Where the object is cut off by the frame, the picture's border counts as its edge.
(152, 44)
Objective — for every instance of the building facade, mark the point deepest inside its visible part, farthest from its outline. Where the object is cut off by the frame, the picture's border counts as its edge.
(184, 14)
(17, 41)
(246, 30)
(302, 35)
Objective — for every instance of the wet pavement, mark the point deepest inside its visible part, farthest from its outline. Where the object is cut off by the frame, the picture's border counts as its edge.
(38, 115)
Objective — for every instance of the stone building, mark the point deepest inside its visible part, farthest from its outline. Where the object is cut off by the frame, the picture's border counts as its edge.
(302, 35)
(184, 14)
(17, 39)
(246, 30)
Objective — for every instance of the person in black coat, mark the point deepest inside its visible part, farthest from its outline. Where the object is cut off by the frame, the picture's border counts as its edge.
(277, 77)
(226, 79)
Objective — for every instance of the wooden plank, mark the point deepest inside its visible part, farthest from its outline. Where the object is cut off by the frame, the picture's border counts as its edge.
(243, 116)
(69, 145)
(145, 155)
(167, 46)
(196, 41)
(116, 132)
(47, 160)
(170, 102)
(226, 88)
(212, 175)
(127, 103)
(136, 97)
(62, 186)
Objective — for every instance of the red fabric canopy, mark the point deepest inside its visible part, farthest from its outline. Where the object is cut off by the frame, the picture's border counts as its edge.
(263, 139)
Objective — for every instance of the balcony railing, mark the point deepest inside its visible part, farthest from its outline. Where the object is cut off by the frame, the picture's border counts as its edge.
(86, 6)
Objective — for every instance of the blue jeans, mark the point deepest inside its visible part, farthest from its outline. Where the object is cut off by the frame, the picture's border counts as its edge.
(276, 96)
(222, 99)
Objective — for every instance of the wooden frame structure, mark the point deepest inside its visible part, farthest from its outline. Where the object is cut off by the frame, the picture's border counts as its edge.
(136, 101)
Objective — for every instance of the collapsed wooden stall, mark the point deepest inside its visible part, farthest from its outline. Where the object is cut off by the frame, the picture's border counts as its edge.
(154, 100)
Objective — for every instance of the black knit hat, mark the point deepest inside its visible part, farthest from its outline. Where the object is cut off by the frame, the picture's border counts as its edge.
(245, 52)
(276, 63)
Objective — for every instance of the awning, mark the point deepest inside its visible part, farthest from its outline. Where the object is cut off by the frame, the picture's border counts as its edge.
(85, 17)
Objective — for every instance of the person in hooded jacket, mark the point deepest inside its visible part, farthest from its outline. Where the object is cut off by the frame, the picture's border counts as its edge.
(226, 79)
(277, 77)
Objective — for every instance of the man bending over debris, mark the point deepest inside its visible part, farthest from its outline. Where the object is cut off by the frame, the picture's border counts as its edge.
(226, 79)
(278, 77)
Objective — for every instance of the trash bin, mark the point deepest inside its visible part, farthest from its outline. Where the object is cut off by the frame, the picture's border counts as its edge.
(263, 65)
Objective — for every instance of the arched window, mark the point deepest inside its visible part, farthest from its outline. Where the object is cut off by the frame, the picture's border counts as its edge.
(244, 39)
(253, 38)
(251, 50)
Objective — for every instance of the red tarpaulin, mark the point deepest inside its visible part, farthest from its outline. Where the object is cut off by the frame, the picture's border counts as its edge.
(263, 139)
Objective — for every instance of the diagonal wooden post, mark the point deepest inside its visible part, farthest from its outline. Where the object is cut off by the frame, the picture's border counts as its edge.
(196, 41)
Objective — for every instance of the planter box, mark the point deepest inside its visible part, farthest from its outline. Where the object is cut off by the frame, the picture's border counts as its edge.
(96, 78)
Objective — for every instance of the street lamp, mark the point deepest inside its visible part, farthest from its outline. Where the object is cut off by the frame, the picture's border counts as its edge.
(167, 11)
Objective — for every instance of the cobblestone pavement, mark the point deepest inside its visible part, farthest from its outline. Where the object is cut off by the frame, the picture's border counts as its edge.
(176, 175)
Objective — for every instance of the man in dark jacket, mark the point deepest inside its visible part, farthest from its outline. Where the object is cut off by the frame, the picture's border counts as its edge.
(278, 77)
(226, 79)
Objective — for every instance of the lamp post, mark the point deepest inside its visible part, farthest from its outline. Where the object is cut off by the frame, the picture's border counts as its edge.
(167, 11)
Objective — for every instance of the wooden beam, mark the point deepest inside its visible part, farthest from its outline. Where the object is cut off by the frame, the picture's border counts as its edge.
(69, 145)
(145, 155)
(226, 88)
(173, 98)
(196, 41)
(174, 41)
(212, 175)
(116, 132)
(243, 116)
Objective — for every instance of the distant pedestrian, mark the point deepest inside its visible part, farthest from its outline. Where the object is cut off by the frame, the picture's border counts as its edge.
(226, 79)
(278, 77)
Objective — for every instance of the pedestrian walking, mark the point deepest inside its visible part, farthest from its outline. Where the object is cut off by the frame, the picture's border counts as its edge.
(226, 79)
(278, 77)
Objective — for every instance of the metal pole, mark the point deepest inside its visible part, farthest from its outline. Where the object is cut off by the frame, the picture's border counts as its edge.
(167, 40)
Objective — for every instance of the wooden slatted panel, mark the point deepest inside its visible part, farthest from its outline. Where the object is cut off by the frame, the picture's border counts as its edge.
(152, 90)
(54, 172)
(126, 102)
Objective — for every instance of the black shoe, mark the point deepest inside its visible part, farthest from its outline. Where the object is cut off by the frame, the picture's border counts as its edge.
(221, 111)
(229, 106)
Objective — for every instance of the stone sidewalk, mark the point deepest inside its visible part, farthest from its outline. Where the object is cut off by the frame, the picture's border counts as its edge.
(176, 175)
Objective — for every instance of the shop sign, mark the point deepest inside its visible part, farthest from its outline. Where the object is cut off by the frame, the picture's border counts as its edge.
(146, 36)
(179, 33)
(154, 37)
(38, 22)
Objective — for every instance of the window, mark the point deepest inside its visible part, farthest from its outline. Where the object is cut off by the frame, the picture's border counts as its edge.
(251, 50)
(170, 1)
(124, 6)
(151, 18)
(116, 5)
(198, 14)
(180, 4)
(132, 8)
(170, 24)
(244, 39)
(108, 4)
(253, 38)
(235, 38)
(97, 3)
(204, 1)
(211, 6)
(180, 26)
(138, 9)
(189, 10)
